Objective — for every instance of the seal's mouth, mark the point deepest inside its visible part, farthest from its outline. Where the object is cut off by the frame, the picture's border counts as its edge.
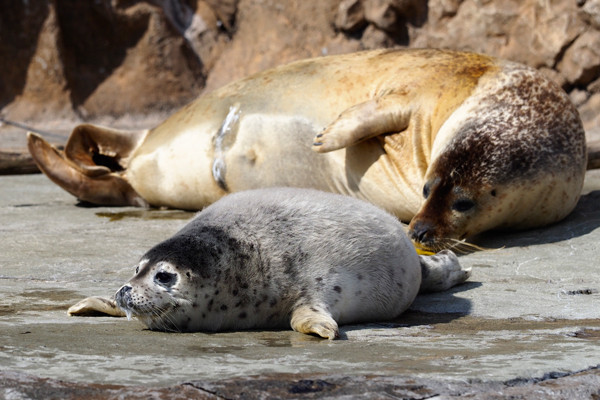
(423, 250)
(160, 322)
(459, 246)
(155, 318)
(142, 308)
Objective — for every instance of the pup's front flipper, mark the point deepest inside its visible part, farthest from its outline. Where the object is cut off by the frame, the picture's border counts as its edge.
(314, 320)
(385, 114)
(93, 306)
(441, 271)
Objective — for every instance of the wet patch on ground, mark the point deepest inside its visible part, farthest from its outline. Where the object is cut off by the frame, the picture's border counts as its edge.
(147, 214)
(460, 323)
(39, 300)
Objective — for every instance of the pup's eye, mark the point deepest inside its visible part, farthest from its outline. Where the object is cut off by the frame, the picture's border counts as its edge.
(137, 269)
(463, 205)
(165, 278)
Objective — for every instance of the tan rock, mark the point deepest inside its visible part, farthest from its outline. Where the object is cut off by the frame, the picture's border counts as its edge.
(350, 16)
(271, 33)
(581, 62)
(111, 58)
(590, 114)
(381, 13)
(44, 91)
(590, 13)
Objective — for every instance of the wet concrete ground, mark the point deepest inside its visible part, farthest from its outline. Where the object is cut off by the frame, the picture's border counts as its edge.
(530, 311)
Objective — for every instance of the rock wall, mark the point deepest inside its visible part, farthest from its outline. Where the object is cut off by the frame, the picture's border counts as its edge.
(85, 60)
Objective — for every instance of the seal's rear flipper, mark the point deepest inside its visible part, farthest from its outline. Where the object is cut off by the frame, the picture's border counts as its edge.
(79, 174)
(93, 306)
(441, 271)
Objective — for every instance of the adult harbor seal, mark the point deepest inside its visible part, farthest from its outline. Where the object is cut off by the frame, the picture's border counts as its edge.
(459, 143)
(272, 258)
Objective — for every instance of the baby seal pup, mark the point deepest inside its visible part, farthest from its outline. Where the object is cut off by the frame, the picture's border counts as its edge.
(272, 258)
(458, 142)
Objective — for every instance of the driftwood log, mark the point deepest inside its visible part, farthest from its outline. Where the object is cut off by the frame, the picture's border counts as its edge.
(593, 154)
(17, 162)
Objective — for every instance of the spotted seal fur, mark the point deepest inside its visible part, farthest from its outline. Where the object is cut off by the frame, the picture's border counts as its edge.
(272, 258)
(459, 143)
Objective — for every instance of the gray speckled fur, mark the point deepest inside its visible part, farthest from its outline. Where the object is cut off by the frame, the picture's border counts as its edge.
(271, 257)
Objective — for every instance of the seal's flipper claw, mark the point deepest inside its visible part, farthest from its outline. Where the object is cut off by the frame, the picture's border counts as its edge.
(314, 320)
(99, 186)
(94, 306)
(386, 114)
(441, 271)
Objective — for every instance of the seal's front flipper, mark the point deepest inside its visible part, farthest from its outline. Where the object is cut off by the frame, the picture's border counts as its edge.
(441, 271)
(93, 183)
(314, 320)
(95, 306)
(386, 114)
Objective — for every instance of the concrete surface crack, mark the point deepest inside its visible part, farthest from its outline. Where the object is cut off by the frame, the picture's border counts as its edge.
(213, 393)
(547, 376)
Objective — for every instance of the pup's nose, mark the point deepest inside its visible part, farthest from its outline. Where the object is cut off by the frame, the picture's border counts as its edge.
(123, 297)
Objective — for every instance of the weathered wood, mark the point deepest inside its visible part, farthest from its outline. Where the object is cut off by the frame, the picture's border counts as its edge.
(17, 163)
(593, 154)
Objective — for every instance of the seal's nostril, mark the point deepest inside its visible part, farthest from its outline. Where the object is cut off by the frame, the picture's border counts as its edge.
(123, 295)
(421, 232)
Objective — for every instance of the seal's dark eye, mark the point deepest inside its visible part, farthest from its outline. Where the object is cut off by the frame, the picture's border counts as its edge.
(165, 278)
(137, 269)
(463, 205)
(426, 190)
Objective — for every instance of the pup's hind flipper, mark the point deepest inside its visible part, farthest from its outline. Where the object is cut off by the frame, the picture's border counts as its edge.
(441, 271)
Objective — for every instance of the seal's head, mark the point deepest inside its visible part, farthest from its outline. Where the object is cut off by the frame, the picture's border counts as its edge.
(513, 156)
(157, 295)
(171, 284)
(201, 279)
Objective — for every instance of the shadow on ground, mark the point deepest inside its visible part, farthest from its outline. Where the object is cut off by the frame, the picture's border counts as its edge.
(584, 219)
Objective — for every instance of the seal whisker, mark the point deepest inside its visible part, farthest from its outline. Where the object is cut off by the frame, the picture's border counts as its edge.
(161, 319)
(463, 247)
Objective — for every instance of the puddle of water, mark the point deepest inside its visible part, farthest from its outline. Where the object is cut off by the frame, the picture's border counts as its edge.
(147, 215)
(36, 300)
(51, 294)
(457, 323)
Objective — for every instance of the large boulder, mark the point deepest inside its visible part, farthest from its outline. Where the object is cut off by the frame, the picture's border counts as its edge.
(87, 60)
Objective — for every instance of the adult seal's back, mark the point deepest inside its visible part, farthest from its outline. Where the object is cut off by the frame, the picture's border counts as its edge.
(272, 258)
(459, 143)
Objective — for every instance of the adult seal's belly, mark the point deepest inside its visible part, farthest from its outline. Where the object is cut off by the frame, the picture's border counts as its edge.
(459, 143)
